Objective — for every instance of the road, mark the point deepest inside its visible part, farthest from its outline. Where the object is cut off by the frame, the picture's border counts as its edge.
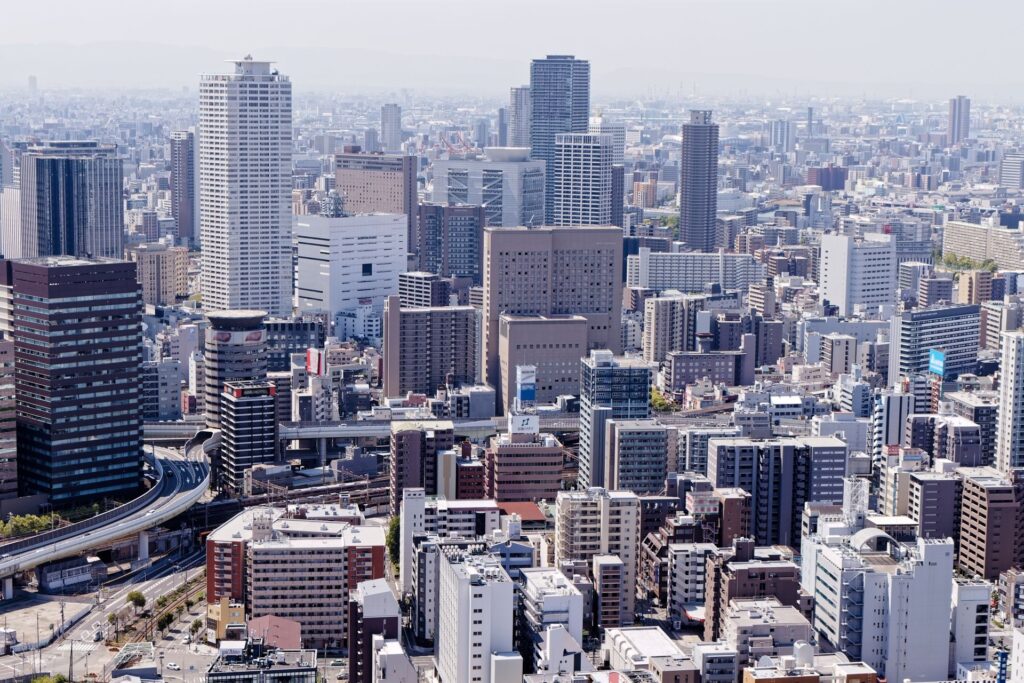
(162, 577)
(184, 480)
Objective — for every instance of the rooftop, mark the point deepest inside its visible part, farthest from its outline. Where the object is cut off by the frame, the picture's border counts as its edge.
(278, 659)
(642, 642)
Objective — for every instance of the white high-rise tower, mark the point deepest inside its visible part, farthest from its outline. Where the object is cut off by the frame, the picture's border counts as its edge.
(1010, 419)
(245, 143)
(583, 179)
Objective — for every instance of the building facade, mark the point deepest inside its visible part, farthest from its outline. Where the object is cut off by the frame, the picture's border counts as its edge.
(559, 103)
(245, 147)
(78, 384)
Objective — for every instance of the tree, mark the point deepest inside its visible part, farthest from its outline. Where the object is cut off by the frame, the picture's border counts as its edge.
(164, 621)
(50, 679)
(161, 602)
(196, 625)
(660, 403)
(394, 539)
(116, 623)
(137, 600)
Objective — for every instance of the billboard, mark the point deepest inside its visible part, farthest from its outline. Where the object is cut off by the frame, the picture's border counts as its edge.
(526, 385)
(937, 362)
(523, 424)
(238, 338)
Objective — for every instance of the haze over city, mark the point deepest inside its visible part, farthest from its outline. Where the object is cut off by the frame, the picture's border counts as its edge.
(522, 342)
(875, 48)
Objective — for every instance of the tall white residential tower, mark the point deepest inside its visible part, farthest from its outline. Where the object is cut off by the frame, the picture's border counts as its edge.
(245, 131)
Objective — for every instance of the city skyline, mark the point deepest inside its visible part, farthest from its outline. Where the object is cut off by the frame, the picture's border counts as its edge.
(604, 369)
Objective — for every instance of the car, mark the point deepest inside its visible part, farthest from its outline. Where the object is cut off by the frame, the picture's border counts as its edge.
(342, 676)
(187, 639)
(338, 662)
(173, 667)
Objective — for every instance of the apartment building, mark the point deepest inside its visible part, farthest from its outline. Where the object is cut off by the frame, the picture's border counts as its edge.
(599, 522)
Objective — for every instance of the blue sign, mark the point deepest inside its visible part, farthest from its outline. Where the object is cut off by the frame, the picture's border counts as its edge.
(937, 362)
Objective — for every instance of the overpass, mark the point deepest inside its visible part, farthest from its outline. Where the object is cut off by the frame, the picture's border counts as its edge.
(379, 430)
(181, 481)
(477, 429)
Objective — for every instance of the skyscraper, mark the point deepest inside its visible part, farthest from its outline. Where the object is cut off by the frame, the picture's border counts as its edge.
(391, 128)
(505, 182)
(601, 124)
(8, 423)
(698, 182)
(519, 112)
(959, 119)
(858, 272)
(1011, 171)
(1010, 419)
(783, 135)
(611, 388)
(583, 179)
(245, 143)
(559, 103)
(235, 350)
(551, 271)
(378, 183)
(502, 126)
(452, 240)
(79, 426)
(183, 184)
(249, 430)
(71, 200)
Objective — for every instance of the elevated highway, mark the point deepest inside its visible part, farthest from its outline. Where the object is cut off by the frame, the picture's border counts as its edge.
(182, 478)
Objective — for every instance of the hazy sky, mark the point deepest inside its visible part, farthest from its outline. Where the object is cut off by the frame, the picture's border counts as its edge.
(911, 48)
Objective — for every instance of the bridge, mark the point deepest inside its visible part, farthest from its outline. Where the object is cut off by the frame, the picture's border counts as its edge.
(181, 481)
(476, 429)
(379, 430)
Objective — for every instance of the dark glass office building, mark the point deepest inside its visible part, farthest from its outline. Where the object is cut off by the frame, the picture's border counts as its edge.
(77, 332)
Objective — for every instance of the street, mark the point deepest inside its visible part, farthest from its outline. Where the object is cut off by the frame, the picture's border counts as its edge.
(79, 644)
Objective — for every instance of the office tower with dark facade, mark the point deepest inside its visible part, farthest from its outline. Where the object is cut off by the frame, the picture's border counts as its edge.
(559, 103)
(183, 184)
(78, 350)
(828, 178)
(235, 350)
(71, 200)
(413, 459)
(8, 423)
(296, 334)
(611, 388)
(248, 411)
(451, 240)
(698, 182)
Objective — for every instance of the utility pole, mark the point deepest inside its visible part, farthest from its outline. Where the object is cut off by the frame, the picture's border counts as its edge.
(71, 662)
